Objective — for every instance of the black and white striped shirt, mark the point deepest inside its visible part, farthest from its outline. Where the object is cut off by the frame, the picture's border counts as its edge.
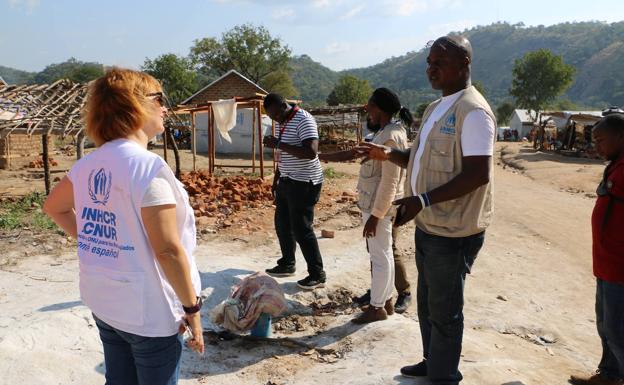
(301, 127)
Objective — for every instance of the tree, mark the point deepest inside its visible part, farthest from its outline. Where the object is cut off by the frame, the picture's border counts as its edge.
(503, 113)
(480, 87)
(72, 69)
(350, 90)
(539, 77)
(175, 73)
(565, 105)
(250, 50)
(420, 110)
(280, 82)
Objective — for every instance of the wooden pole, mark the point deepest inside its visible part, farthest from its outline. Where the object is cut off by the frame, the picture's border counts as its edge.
(46, 163)
(164, 135)
(273, 133)
(80, 141)
(194, 143)
(253, 140)
(213, 148)
(176, 153)
(209, 140)
(261, 145)
(8, 151)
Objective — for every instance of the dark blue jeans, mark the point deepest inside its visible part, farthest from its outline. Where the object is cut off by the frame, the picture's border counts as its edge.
(135, 360)
(610, 324)
(442, 267)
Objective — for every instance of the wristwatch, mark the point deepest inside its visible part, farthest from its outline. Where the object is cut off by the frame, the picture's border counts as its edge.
(195, 308)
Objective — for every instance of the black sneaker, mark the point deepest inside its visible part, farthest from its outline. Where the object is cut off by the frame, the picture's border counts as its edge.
(413, 371)
(364, 299)
(281, 271)
(402, 303)
(310, 283)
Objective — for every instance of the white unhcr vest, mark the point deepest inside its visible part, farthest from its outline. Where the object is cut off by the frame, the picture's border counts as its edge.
(120, 279)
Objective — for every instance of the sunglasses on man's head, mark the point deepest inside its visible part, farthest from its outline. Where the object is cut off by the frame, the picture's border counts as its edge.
(445, 44)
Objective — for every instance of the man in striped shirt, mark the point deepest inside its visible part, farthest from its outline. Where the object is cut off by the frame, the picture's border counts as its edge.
(296, 187)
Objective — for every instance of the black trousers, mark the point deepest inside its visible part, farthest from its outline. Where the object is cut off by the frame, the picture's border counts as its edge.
(294, 215)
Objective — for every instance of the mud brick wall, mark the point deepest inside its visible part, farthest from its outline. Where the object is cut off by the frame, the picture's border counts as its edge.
(227, 88)
(19, 145)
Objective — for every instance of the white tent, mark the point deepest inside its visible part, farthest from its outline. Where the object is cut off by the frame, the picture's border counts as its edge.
(521, 121)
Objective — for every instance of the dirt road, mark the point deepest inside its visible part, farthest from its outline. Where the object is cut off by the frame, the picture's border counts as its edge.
(529, 303)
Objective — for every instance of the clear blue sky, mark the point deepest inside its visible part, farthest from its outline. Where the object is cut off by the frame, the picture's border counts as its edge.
(338, 33)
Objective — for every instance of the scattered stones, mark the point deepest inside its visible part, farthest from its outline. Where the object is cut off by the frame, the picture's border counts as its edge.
(347, 197)
(354, 212)
(38, 163)
(548, 338)
(327, 234)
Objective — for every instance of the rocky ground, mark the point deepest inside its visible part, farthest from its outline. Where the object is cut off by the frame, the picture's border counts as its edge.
(529, 302)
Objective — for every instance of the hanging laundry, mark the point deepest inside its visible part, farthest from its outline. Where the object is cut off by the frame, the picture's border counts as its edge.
(225, 117)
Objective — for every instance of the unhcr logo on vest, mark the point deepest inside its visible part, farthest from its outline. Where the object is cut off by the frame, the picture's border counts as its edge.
(100, 186)
(449, 126)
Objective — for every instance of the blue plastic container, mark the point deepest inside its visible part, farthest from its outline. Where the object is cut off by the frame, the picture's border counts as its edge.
(262, 328)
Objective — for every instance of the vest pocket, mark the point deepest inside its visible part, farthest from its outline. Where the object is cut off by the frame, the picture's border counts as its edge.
(114, 295)
(365, 200)
(442, 156)
(440, 170)
(367, 169)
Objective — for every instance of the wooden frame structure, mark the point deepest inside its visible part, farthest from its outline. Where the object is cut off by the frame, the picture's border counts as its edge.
(341, 118)
(44, 109)
(254, 103)
(50, 109)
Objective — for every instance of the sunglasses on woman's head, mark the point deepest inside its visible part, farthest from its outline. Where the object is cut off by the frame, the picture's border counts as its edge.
(159, 97)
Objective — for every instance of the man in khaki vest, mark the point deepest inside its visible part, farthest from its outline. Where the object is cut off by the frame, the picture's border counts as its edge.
(448, 193)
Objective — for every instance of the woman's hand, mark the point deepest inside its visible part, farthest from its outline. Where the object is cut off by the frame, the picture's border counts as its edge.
(370, 228)
(193, 322)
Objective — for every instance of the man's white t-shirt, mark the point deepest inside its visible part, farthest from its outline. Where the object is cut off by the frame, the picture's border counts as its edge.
(477, 137)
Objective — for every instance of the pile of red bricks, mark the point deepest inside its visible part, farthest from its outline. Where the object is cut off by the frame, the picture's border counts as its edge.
(218, 197)
(38, 163)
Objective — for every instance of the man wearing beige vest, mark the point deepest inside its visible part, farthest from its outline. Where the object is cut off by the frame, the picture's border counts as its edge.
(448, 193)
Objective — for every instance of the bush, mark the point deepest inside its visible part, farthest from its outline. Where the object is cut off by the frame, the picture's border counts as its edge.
(25, 212)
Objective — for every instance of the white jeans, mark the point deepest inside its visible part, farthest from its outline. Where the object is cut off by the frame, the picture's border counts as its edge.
(382, 261)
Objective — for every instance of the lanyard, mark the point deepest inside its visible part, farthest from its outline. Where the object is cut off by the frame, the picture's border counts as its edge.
(283, 125)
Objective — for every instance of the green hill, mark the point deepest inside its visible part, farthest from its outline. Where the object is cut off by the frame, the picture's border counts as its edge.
(313, 80)
(13, 76)
(595, 49)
